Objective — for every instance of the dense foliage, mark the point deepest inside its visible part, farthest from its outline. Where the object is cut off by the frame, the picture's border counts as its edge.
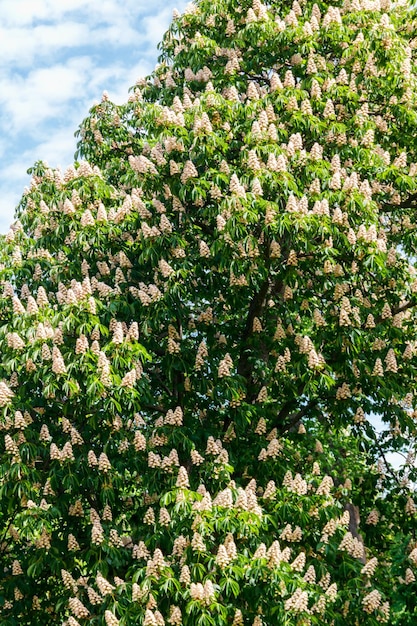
(204, 322)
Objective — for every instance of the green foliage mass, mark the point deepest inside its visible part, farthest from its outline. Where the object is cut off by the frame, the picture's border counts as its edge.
(202, 323)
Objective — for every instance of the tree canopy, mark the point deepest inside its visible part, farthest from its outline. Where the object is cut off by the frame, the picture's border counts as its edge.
(208, 332)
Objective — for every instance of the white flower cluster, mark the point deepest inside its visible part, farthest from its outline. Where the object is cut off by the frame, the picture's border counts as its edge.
(298, 602)
(352, 546)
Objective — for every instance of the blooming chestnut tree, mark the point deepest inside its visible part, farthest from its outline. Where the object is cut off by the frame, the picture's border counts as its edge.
(208, 332)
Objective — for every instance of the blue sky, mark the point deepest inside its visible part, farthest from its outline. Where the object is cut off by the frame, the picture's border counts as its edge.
(56, 59)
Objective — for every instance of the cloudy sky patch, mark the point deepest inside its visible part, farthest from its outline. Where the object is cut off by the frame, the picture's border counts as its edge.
(56, 59)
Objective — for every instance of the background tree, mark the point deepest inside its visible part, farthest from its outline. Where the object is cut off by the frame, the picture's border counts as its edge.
(201, 322)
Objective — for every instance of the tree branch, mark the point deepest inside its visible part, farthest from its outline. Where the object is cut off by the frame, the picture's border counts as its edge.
(408, 203)
(154, 407)
(255, 308)
(294, 417)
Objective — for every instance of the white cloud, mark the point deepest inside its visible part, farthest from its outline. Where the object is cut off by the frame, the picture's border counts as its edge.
(57, 149)
(8, 201)
(27, 12)
(20, 46)
(49, 93)
(56, 58)
(116, 80)
(28, 101)
(40, 29)
(156, 25)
